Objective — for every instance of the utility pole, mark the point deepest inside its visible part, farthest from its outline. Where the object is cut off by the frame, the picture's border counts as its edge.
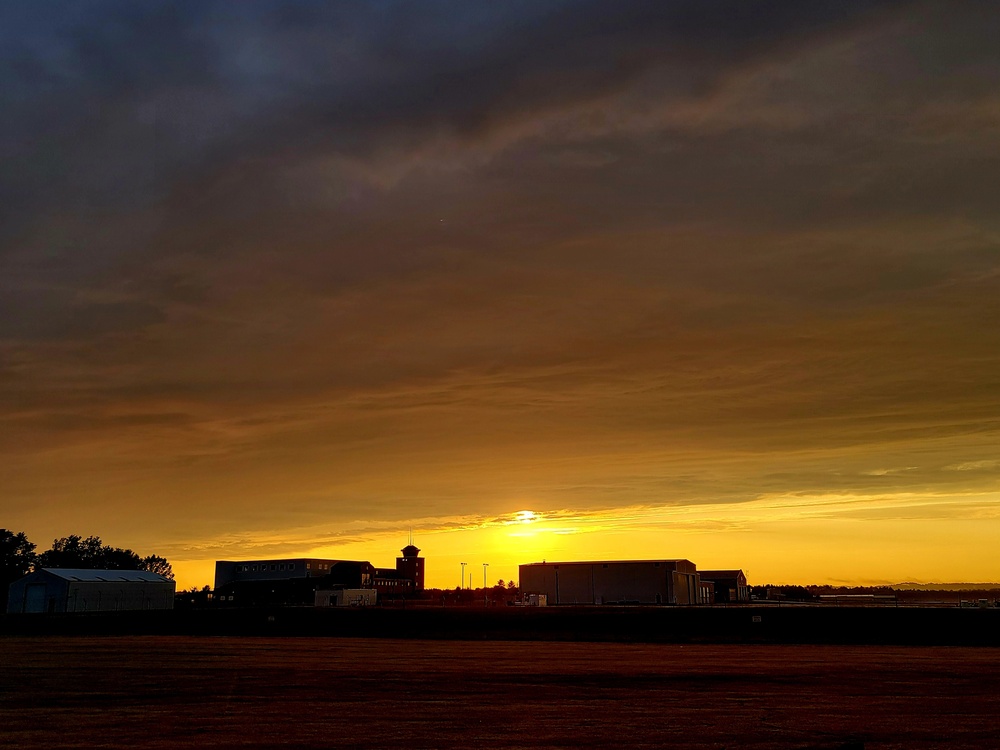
(462, 582)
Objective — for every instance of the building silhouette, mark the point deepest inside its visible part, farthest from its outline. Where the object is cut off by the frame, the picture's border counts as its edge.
(51, 590)
(729, 585)
(295, 581)
(613, 582)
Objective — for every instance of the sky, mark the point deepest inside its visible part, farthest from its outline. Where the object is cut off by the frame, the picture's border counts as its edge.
(704, 279)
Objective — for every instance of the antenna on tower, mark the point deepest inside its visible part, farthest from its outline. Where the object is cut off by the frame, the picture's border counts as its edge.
(411, 536)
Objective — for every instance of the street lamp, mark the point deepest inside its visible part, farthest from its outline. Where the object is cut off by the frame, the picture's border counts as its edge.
(462, 583)
(485, 566)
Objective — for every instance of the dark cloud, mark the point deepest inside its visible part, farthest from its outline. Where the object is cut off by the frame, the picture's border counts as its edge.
(47, 314)
(110, 101)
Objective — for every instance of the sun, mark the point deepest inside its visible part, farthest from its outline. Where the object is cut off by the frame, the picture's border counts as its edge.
(525, 517)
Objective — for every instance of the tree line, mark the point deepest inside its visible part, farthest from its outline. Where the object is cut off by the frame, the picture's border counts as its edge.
(18, 558)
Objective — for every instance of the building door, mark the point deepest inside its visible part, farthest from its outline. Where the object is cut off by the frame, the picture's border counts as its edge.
(34, 597)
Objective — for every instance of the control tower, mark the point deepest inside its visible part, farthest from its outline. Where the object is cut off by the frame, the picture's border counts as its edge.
(411, 566)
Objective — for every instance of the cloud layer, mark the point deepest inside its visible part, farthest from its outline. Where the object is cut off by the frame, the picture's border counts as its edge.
(269, 267)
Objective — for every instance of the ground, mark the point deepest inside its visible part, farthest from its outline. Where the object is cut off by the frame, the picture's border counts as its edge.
(186, 692)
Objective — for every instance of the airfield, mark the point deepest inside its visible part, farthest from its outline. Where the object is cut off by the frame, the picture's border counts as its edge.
(308, 692)
(438, 677)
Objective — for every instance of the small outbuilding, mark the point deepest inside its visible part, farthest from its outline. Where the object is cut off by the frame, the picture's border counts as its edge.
(729, 585)
(76, 590)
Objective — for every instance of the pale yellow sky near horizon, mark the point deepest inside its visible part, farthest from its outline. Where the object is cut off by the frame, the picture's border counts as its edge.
(834, 539)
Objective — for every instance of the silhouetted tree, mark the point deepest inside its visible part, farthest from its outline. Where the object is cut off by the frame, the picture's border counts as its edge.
(74, 551)
(193, 597)
(17, 555)
(503, 593)
(91, 553)
(158, 565)
(798, 594)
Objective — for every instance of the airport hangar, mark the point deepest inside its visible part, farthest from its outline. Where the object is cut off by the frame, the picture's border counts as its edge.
(296, 580)
(75, 590)
(613, 582)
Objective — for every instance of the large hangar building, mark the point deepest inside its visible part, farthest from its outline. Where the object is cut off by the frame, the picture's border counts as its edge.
(73, 590)
(613, 582)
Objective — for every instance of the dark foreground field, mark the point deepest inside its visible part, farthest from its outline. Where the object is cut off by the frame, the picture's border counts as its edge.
(883, 626)
(186, 692)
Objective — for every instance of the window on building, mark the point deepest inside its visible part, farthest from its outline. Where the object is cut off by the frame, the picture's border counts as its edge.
(274, 566)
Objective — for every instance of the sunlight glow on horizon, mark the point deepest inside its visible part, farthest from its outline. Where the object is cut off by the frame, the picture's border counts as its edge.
(784, 538)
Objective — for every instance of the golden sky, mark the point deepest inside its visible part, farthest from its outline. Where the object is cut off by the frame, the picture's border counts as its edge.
(535, 280)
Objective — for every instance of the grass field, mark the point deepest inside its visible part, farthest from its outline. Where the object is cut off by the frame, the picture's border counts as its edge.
(187, 692)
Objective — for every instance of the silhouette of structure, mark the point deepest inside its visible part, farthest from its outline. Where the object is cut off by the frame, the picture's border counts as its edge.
(292, 581)
(74, 590)
(613, 582)
(729, 585)
(410, 567)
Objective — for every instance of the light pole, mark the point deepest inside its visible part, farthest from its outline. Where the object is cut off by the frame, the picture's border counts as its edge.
(485, 566)
(462, 584)
(486, 593)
